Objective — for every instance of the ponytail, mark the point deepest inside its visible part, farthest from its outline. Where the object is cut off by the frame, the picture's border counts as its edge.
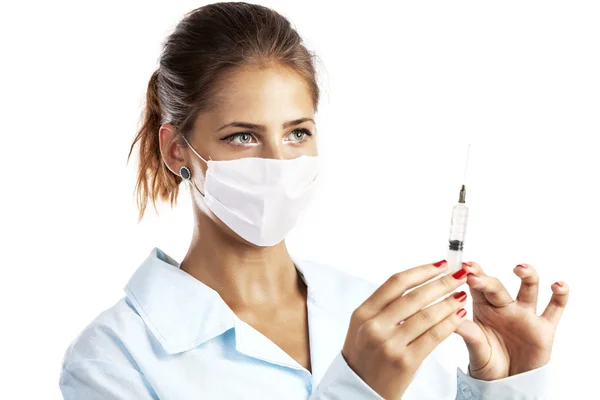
(155, 180)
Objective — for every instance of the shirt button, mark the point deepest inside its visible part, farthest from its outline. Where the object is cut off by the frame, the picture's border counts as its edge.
(465, 391)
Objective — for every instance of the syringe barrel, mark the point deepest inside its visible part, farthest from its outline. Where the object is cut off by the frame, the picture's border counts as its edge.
(458, 230)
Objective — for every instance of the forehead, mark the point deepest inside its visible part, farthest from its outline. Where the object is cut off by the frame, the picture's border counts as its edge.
(263, 95)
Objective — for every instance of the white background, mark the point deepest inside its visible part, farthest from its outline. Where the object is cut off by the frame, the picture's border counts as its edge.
(406, 87)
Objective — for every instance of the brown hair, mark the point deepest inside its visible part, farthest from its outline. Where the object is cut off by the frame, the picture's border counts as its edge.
(207, 43)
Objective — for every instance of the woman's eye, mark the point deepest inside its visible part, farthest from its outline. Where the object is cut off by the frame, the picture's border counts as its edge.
(299, 134)
(241, 138)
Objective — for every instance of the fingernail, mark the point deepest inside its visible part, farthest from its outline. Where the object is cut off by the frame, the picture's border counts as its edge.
(522, 266)
(439, 263)
(459, 274)
(461, 296)
(558, 283)
(467, 263)
(472, 274)
(461, 313)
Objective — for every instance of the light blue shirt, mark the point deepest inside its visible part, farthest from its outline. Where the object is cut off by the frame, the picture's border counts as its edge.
(173, 337)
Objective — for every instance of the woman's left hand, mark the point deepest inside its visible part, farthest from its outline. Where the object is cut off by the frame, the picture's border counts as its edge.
(507, 337)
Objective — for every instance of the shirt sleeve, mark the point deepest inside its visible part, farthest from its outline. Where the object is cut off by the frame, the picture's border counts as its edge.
(340, 382)
(530, 385)
(103, 380)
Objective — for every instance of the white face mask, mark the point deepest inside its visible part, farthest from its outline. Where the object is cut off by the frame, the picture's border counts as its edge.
(260, 199)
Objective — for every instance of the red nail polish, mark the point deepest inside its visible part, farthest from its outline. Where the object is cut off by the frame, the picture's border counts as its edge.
(439, 263)
(459, 274)
(521, 265)
(558, 283)
(461, 296)
(461, 313)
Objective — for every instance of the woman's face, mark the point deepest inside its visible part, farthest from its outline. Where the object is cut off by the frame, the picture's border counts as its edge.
(268, 114)
(260, 113)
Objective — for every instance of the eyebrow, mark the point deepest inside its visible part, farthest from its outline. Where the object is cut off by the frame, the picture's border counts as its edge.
(247, 125)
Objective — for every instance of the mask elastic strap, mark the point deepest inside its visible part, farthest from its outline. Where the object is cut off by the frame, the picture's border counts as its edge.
(194, 184)
(191, 148)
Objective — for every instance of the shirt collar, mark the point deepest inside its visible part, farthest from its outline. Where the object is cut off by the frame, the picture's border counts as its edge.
(182, 312)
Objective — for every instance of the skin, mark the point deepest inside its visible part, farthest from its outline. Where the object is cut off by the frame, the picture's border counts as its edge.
(260, 284)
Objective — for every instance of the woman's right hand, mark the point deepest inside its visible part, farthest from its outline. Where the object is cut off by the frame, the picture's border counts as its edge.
(391, 333)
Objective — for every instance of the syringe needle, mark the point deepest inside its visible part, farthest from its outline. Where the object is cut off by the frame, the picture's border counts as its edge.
(466, 163)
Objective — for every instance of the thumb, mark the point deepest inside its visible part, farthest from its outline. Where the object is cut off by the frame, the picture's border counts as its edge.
(477, 344)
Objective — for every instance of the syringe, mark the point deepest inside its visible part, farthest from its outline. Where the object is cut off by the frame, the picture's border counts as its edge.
(458, 228)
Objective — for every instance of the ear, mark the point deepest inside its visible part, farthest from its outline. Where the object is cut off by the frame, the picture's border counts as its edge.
(170, 148)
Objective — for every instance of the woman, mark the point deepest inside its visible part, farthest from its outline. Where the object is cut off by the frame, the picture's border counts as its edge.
(231, 111)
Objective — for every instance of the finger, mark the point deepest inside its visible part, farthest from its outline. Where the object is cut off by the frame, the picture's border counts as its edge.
(399, 283)
(494, 291)
(472, 335)
(558, 302)
(414, 301)
(473, 271)
(528, 292)
(422, 321)
(424, 344)
(479, 348)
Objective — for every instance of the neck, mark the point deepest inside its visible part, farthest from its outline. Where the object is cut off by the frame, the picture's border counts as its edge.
(244, 275)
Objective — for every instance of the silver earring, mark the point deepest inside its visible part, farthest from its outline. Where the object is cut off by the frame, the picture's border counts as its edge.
(185, 172)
